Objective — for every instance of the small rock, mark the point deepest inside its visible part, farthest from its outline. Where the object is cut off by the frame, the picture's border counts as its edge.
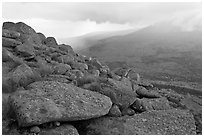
(143, 92)
(35, 129)
(114, 111)
(151, 104)
(57, 123)
(128, 111)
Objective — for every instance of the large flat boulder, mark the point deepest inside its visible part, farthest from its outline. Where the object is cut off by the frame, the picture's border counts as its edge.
(47, 101)
(164, 122)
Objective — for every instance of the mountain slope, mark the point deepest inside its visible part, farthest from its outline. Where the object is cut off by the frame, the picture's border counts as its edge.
(160, 51)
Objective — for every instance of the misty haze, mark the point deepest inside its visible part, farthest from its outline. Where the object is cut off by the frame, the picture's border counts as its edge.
(102, 68)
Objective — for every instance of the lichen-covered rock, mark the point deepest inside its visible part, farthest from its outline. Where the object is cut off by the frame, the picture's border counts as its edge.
(165, 122)
(22, 28)
(6, 55)
(143, 92)
(7, 25)
(119, 92)
(94, 62)
(66, 59)
(66, 48)
(51, 42)
(128, 111)
(26, 50)
(145, 104)
(10, 43)
(42, 37)
(10, 34)
(79, 66)
(8, 85)
(47, 101)
(27, 34)
(77, 73)
(6, 109)
(65, 129)
(23, 75)
(61, 68)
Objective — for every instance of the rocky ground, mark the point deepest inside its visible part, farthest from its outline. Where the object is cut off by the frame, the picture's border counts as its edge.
(48, 89)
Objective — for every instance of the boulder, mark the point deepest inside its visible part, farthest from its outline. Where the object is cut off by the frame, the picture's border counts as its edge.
(61, 68)
(42, 37)
(44, 68)
(143, 92)
(66, 48)
(10, 34)
(119, 92)
(6, 109)
(6, 55)
(65, 129)
(47, 101)
(164, 122)
(10, 43)
(7, 25)
(24, 75)
(95, 72)
(145, 104)
(22, 28)
(66, 59)
(26, 50)
(77, 73)
(79, 66)
(8, 85)
(94, 62)
(51, 42)
(27, 34)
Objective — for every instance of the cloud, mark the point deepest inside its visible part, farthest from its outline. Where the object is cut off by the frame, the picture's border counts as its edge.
(64, 29)
(73, 19)
(99, 12)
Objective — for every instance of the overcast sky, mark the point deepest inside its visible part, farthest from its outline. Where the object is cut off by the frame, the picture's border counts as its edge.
(73, 19)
